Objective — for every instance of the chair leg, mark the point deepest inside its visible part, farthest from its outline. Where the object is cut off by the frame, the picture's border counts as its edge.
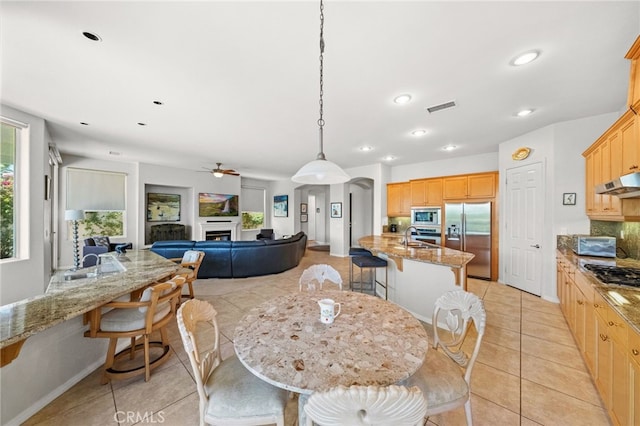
(467, 411)
(108, 363)
(132, 348)
(191, 295)
(147, 369)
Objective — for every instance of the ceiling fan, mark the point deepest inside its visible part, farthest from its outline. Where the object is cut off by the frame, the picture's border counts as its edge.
(219, 172)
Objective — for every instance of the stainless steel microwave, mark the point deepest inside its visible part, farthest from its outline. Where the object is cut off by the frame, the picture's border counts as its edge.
(586, 245)
(429, 216)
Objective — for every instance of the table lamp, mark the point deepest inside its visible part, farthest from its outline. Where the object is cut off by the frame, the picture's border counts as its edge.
(74, 216)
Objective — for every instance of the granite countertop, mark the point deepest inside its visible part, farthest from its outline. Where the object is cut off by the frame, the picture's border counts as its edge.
(64, 300)
(391, 245)
(629, 311)
(371, 342)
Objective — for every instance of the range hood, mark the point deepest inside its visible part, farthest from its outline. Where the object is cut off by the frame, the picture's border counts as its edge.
(627, 186)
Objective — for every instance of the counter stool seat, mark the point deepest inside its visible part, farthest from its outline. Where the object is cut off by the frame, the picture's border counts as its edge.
(371, 263)
(356, 251)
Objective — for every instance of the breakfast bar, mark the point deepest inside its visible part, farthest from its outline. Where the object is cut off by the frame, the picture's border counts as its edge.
(71, 295)
(419, 273)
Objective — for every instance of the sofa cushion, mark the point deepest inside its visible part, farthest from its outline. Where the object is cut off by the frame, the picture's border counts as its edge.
(172, 249)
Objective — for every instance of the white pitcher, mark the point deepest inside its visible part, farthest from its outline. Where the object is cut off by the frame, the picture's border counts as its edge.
(327, 310)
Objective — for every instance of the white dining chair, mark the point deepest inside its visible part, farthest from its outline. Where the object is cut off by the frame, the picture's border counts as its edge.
(445, 375)
(229, 394)
(317, 275)
(366, 405)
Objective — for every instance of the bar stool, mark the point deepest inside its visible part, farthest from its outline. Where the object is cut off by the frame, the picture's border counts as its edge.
(356, 251)
(371, 263)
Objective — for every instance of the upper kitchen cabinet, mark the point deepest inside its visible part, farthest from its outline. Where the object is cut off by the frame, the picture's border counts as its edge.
(634, 77)
(616, 153)
(479, 185)
(399, 199)
(426, 192)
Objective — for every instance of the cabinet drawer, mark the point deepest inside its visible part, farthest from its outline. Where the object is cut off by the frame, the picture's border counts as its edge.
(585, 287)
(600, 307)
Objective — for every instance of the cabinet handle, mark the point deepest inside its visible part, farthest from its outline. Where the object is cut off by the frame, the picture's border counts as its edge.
(611, 323)
(580, 302)
(633, 167)
(604, 337)
(595, 305)
(635, 352)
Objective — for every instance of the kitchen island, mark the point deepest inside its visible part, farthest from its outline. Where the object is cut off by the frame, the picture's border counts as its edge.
(66, 299)
(419, 274)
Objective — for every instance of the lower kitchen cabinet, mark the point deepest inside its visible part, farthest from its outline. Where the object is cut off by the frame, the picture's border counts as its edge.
(609, 346)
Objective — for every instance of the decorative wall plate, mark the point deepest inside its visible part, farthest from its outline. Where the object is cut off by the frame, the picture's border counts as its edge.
(521, 153)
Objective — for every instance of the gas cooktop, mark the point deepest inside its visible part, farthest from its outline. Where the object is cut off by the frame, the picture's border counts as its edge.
(615, 274)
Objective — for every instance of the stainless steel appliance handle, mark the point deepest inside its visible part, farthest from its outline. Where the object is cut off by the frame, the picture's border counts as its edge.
(463, 232)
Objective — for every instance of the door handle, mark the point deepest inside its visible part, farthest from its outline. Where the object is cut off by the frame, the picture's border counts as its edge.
(536, 246)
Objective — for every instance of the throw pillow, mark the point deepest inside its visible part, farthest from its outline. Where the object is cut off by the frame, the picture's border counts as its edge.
(101, 241)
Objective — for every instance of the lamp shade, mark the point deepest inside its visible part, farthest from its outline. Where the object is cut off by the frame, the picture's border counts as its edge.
(218, 174)
(73, 214)
(320, 172)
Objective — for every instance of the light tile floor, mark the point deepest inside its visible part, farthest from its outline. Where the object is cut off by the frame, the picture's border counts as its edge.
(529, 371)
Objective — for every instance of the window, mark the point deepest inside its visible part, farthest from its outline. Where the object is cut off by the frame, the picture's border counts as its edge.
(101, 195)
(253, 202)
(8, 196)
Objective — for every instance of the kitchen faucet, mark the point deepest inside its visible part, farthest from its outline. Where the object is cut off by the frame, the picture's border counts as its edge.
(98, 260)
(407, 234)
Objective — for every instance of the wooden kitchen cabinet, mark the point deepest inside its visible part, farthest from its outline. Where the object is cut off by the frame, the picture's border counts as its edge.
(634, 76)
(426, 192)
(633, 356)
(399, 199)
(479, 185)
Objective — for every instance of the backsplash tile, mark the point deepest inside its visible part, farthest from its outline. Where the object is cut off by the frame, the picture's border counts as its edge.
(631, 242)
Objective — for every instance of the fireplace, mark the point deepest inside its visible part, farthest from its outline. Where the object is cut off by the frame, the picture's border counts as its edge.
(218, 230)
(218, 235)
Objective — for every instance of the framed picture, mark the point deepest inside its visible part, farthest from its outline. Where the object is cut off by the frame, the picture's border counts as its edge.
(304, 218)
(212, 205)
(336, 209)
(163, 207)
(303, 207)
(569, 199)
(281, 205)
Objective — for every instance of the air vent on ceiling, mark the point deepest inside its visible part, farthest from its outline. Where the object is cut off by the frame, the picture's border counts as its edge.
(440, 107)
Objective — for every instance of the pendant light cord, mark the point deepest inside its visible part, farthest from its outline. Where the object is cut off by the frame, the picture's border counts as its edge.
(321, 119)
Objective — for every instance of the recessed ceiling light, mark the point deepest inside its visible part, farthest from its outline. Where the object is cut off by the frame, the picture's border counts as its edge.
(389, 158)
(419, 132)
(449, 148)
(91, 36)
(524, 112)
(84, 124)
(402, 99)
(366, 148)
(525, 58)
(142, 124)
(158, 102)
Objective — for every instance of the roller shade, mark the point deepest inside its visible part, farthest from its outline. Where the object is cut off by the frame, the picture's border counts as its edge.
(252, 199)
(95, 190)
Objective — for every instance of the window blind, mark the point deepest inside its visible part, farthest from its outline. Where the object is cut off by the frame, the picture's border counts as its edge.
(252, 199)
(95, 190)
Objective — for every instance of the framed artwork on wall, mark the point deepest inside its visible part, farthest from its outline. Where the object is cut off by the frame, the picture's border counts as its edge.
(304, 217)
(281, 205)
(163, 207)
(303, 207)
(569, 199)
(336, 209)
(211, 205)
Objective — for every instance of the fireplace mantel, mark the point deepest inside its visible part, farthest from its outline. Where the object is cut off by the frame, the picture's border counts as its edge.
(218, 226)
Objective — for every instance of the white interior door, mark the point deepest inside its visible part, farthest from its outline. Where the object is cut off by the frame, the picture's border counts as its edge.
(524, 211)
(311, 229)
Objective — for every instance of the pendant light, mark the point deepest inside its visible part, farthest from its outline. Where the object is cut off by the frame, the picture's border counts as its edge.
(321, 171)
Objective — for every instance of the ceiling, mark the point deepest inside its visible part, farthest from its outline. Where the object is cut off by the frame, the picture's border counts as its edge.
(239, 80)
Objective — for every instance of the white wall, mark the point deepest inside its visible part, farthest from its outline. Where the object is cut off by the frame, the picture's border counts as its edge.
(559, 148)
(453, 166)
(28, 276)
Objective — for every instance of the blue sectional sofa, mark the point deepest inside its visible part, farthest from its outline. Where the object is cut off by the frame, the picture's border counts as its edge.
(239, 259)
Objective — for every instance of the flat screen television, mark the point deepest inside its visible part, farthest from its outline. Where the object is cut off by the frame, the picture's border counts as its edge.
(211, 205)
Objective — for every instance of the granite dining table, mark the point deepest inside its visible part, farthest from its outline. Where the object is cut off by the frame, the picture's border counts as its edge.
(371, 342)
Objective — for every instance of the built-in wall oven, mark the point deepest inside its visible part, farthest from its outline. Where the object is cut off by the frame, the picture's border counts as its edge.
(428, 235)
(425, 216)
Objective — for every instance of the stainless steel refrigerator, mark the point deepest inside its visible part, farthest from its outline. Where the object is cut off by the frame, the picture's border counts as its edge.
(468, 228)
